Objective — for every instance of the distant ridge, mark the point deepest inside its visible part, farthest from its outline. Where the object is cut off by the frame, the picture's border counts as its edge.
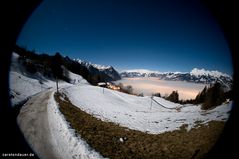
(195, 75)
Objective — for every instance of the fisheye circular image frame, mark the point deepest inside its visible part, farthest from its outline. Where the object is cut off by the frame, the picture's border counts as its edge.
(120, 79)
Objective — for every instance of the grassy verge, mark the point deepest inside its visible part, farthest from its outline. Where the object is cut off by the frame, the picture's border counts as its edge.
(114, 141)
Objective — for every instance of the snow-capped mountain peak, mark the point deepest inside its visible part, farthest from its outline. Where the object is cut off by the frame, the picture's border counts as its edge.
(97, 66)
(108, 73)
(196, 76)
(200, 72)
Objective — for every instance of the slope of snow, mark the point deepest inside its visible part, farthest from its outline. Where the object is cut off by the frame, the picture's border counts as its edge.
(33, 122)
(23, 85)
(199, 72)
(47, 131)
(64, 139)
(42, 124)
(76, 79)
(136, 112)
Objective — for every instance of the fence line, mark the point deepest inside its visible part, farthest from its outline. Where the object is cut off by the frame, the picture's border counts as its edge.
(163, 105)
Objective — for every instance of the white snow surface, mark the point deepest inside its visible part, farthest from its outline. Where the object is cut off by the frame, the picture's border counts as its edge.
(42, 124)
(76, 79)
(47, 131)
(199, 72)
(65, 141)
(137, 113)
(50, 136)
(23, 85)
(33, 122)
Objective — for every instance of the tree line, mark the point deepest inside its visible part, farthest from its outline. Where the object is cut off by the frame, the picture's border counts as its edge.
(210, 97)
(52, 66)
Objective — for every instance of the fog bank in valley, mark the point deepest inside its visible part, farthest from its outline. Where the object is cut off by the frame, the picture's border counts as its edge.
(149, 85)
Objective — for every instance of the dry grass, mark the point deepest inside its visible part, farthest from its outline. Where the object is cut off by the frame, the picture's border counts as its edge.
(104, 137)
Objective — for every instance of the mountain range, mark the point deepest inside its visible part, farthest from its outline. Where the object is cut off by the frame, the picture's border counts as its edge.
(108, 71)
(95, 73)
(195, 75)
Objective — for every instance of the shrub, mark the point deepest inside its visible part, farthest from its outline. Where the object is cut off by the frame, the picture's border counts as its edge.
(140, 94)
(156, 94)
(129, 89)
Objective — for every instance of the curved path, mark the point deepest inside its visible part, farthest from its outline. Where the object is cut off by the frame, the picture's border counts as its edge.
(33, 120)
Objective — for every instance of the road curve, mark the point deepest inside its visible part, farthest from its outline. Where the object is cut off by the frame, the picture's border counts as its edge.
(33, 121)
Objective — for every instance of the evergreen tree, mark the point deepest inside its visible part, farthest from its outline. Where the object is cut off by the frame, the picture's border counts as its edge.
(201, 96)
(214, 96)
(173, 97)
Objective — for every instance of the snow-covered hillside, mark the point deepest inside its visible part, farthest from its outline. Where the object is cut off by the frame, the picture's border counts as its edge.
(137, 112)
(51, 136)
(76, 79)
(47, 131)
(66, 143)
(23, 85)
(40, 120)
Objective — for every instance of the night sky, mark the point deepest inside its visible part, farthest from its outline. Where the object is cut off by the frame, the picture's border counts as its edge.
(172, 35)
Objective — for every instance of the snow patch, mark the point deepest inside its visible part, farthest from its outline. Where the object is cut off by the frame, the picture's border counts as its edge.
(66, 142)
(76, 79)
(22, 87)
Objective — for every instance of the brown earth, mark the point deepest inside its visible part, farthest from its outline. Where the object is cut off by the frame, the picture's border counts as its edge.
(114, 141)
